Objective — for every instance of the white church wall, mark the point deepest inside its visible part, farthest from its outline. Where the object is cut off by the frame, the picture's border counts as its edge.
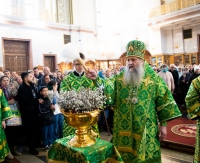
(155, 41)
(44, 41)
(163, 41)
(126, 19)
(169, 42)
(121, 22)
(88, 45)
(178, 41)
(154, 3)
(109, 48)
(115, 48)
(191, 44)
(135, 29)
(172, 41)
(133, 22)
(84, 13)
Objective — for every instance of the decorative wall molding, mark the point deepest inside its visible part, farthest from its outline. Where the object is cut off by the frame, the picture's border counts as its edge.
(172, 6)
(50, 26)
(62, 13)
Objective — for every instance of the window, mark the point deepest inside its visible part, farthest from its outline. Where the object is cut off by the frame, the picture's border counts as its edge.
(187, 33)
(67, 39)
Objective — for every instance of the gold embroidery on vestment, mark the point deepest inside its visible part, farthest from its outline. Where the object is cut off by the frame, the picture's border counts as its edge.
(193, 107)
(6, 109)
(127, 149)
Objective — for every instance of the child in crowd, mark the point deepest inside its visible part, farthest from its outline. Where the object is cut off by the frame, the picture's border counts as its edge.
(58, 117)
(46, 117)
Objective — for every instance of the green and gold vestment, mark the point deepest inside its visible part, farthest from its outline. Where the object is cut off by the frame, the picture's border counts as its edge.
(5, 113)
(135, 132)
(72, 81)
(193, 108)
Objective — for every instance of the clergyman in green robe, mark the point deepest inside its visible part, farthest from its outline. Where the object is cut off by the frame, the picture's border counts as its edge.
(142, 106)
(76, 80)
(5, 113)
(193, 108)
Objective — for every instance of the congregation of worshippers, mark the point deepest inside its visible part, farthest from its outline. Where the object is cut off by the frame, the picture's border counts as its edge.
(47, 81)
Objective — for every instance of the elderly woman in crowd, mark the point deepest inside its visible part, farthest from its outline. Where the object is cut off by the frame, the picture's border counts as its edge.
(167, 77)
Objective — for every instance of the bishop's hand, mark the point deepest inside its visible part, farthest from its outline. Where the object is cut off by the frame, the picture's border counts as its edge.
(91, 74)
(3, 124)
(162, 133)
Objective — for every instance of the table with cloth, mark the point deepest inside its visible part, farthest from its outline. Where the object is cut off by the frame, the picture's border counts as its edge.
(101, 152)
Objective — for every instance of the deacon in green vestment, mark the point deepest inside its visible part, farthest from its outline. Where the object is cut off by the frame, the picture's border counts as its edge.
(193, 108)
(76, 80)
(142, 100)
(5, 113)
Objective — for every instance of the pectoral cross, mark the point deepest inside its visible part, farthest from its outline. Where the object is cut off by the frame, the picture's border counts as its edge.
(133, 100)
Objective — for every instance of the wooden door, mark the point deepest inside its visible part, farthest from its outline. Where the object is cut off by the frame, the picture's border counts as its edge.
(49, 61)
(21, 64)
(9, 62)
(16, 55)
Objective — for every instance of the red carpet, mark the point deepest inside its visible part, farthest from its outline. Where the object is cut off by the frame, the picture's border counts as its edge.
(177, 140)
(187, 130)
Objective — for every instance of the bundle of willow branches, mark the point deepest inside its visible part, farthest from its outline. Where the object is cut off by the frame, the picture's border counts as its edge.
(84, 100)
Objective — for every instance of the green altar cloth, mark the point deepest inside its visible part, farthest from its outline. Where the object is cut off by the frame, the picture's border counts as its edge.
(101, 152)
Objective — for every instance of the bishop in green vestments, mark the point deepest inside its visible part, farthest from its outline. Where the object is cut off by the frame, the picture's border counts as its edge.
(76, 80)
(5, 113)
(142, 101)
(193, 108)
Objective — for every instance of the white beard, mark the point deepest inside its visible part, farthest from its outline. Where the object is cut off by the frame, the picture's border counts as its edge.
(134, 77)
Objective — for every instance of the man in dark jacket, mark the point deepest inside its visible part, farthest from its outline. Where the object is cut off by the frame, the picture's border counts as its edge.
(191, 70)
(37, 74)
(28, 103)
